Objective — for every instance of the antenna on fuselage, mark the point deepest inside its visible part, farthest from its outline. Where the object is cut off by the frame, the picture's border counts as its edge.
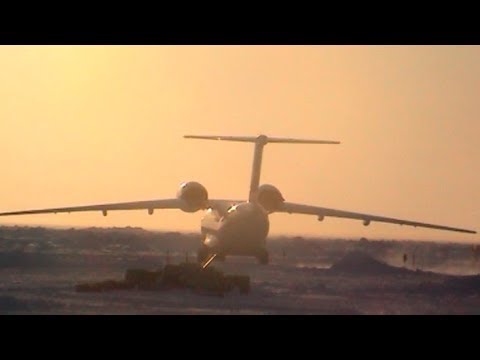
(259, 141)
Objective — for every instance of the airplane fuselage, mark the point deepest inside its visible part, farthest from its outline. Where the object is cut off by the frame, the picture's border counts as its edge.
(241, 230)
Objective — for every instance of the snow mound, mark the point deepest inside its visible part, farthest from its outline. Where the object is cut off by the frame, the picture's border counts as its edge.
(361, 263)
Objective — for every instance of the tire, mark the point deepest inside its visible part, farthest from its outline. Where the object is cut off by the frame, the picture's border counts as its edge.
(263, 258)
(202, 254)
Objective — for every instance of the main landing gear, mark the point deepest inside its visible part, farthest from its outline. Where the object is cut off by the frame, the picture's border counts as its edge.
(262, 257)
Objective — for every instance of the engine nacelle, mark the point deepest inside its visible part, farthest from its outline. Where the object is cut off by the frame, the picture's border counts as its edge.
(269, 197)
(194, 196)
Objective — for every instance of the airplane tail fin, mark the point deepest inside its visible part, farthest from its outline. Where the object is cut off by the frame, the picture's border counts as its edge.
(259, 141)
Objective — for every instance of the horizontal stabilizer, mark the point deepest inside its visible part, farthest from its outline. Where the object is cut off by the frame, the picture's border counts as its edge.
(300, 141)
(262, 138)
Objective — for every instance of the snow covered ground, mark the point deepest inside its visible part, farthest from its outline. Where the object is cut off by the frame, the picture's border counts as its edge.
(42, 281)
(276, 289)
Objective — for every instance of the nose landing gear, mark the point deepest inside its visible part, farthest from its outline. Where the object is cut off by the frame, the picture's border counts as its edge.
(202, 254)
(209, 260)
(205, 257)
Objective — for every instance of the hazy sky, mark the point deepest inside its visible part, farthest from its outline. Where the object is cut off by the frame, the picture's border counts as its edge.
(83, 125)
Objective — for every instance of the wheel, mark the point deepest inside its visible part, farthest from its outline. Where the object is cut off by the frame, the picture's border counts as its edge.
(263, 257)
(202, 254)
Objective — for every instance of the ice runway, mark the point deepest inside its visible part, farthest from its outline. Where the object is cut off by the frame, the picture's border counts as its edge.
(276, 289)
(39, 269)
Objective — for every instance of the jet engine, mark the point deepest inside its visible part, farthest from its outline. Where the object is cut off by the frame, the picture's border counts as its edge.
(194, 196)
(269, 197)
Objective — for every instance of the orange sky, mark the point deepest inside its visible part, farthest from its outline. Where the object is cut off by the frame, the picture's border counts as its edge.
(94, 124)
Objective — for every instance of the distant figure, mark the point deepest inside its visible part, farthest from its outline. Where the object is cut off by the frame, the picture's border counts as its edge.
(476, 253)
(405, 258)
(284, 254)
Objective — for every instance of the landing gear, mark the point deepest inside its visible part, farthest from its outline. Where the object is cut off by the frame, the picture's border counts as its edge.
(202, 254)
(262, 257)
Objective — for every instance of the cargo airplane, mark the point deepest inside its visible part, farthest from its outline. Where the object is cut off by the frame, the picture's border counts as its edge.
(238, 227)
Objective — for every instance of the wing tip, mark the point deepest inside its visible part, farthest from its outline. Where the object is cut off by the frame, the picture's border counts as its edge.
(465, 231)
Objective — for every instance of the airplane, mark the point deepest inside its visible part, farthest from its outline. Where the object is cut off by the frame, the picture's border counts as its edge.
(238, 227)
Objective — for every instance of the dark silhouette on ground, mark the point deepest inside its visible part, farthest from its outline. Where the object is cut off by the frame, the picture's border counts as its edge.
(360, 263)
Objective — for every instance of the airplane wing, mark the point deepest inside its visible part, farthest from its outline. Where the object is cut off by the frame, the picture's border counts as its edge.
(149, 205)
(321, 212)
